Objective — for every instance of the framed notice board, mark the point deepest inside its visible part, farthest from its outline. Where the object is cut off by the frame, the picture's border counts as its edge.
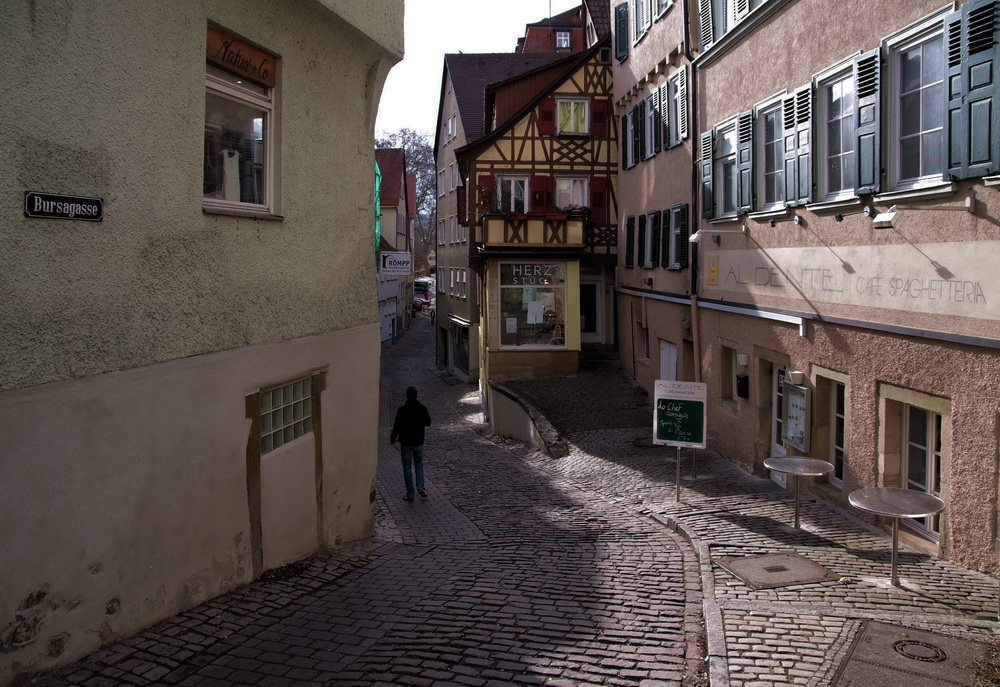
(679, 414)
(795, 420)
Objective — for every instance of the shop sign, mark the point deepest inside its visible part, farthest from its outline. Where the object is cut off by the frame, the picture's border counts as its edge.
(395, 263)
(240, 58)
(56, 206)
(532, 274)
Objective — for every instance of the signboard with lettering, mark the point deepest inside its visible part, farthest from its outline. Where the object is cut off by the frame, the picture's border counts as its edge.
(679, 413)
(57, 206)
(395, 263)
(532, 274)
(240, 58)
(795, 420)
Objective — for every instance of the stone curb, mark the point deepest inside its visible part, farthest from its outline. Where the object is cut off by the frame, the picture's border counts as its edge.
(554, 444)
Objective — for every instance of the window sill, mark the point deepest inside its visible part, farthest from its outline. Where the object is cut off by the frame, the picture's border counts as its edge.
(238, 212)
(925, 193)
(731, 219)
(991, 181)
(831, 205)
(769, 214)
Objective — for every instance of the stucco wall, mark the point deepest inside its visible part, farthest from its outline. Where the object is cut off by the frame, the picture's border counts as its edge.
(107, 100)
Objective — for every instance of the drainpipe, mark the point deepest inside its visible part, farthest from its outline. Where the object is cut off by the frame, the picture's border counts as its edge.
(693, 247)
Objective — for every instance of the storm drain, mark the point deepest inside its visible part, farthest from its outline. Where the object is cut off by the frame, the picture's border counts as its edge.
(884, 654)
(775, 570)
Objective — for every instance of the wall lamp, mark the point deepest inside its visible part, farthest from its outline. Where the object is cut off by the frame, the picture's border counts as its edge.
(866, 210)
(696, 237)
(795, 218)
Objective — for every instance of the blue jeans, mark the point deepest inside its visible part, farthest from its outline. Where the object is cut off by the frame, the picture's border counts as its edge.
(412, 455)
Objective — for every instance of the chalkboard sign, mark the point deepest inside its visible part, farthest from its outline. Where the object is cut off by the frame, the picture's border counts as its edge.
(679, 414)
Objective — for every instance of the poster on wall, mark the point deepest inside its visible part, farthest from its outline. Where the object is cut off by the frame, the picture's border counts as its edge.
(795, 425)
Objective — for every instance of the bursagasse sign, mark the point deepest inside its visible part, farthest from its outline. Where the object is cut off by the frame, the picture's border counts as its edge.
(240, 58)
(56, 206)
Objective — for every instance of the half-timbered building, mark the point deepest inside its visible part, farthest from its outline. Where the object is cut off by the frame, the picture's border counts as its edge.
(543, 216)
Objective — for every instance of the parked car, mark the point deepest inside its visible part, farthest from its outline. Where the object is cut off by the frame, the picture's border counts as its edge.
(420, 302)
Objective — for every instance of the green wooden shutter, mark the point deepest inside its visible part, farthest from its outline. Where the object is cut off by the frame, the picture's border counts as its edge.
(640, 123)
(623, 146)
(705, 24)
(790, 155)
(630, 242)
(797, 119)
(656, 103)
(642, 241)
(867, 142)
(973, 123)
(744, 162)
(707, 196)
(621, 31)
(636, 135)
(679, 219)
(682, 97)
(666, 236)
(654, 259)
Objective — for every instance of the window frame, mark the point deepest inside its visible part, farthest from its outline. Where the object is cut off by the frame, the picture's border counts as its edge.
(842, 73)
(773, 107)
(584, 195)
(525, 192)
(724, 129)
(641, 19)
(555, 281)
(227, 86)
(560, 43)
(575, 103)
(299, 397)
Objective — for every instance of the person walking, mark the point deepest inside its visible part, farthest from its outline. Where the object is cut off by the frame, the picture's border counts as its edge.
(411, 419)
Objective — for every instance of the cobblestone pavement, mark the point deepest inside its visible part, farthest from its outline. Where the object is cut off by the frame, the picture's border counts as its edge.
(516, 570)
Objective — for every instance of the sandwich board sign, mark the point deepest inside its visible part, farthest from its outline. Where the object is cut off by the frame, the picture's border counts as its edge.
(679, 413)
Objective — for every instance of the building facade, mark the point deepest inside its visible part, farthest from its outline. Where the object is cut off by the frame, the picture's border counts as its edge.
(177, 342)
(395, 289)
(842, 202)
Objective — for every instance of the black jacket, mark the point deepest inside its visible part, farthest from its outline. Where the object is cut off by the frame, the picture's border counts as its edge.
(411, 418)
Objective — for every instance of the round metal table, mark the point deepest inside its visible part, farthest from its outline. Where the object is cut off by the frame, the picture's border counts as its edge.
(896, 503)
(798, 466)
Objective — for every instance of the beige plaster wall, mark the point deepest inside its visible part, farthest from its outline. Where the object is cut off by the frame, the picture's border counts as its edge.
(107, 100)
(125, 495)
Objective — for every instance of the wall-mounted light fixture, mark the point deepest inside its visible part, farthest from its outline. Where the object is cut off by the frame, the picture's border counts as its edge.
(648, 281)
(887, 219)
(795, 377)
(742, 359)
(696, 237)
(795, 218)
(866, 210)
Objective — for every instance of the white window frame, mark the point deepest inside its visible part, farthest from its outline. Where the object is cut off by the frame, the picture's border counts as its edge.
(223, 85)
(652, 249)
(576, 196)
(662, 7)
(918, 35)
(440, 183)
(720, 162)
(625, 144)
(933, 465)
(641, 16)
(838, 432)
(574, 103)
(673, 108)
(441, 232)
(562, 40)
(651, 121)
(513, 179)
(770, 109)
(841, 74)
(285, 413)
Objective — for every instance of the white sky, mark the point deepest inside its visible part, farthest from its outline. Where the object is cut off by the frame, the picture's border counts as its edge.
(436, 27)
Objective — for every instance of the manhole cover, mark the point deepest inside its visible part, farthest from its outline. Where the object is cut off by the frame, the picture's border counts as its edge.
(775, 570)
(886, 654)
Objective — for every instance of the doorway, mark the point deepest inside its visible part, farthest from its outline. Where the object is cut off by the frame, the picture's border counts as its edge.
(777, 419)
(591, 310)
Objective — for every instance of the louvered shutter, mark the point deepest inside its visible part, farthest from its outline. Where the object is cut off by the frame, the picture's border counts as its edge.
(623, 143)
(486, 190)
(635, 122)
(599, 118)
(542, 193)
(705, 24)
(797, 121)
(630, 242)
(658, 106)
(640, 125)
(621, 31)
(741, 9)
(973, 123)
(868, 143)
(664, 120)
(666, 234)
(654, 258)
(682, 103)
(679, 220)
(547, 117)
(598, 200)
(744, 162)
(707, 196)
(642, 241)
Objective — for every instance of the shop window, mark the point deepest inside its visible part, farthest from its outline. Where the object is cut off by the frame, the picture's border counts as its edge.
(533, 304)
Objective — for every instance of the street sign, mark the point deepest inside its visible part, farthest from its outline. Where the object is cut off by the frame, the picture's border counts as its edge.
(58, 206)
(679, 413)
(395, 263)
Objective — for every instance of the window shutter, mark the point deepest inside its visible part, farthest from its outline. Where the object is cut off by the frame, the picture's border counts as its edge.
(486, 190)
(744, 162)
(791, 150)
(598, 200)
(621, 31)
(682, 97)
(707, 197)
(972, 124)
(742, 9)
(547, 117)
(797, 118)
(623, 143)
(679, 219)
(657, 105)
(542, 192)
(642, 241)
(640, 122)
(664, 119)
(635, 121)
(599, 118)
(867, 142)
(705, 24)
(654, 259)
(666, 235)
(630, 242)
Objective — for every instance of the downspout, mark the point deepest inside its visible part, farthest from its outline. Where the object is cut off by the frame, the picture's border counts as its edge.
(693, 247)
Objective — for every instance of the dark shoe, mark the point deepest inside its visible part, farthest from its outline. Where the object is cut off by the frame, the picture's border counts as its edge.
(407, 498)
(422, 493)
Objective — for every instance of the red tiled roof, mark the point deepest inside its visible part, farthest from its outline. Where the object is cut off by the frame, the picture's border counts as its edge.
(392, 164)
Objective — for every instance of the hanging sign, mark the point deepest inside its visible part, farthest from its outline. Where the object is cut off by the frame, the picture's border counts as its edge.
(57, 206)
(679, 413)
(395, 263)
